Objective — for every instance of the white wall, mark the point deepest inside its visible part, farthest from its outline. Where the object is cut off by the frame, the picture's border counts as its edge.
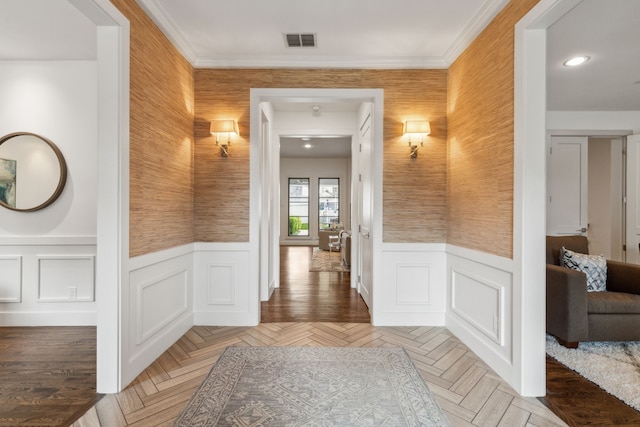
(313, 168)
(605, 197)
(594, 120)
(50, 254)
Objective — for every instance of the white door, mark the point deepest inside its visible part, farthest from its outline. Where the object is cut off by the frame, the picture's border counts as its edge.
(567, 186)
(633, 200)
(365, 243)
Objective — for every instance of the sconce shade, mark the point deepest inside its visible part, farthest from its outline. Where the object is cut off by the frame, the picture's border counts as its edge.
(223, 126)
(417, 126)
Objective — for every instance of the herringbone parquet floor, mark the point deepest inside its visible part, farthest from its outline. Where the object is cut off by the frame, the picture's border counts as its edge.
(468, 391)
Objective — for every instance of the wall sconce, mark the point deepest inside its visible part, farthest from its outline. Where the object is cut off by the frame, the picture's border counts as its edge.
(223, 126)
(421, 127)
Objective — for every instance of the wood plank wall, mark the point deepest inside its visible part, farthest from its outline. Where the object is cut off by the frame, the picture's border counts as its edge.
(414, 193)
(480, 138)
(161, 138)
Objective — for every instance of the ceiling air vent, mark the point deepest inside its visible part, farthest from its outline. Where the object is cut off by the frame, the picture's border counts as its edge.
(300, 40)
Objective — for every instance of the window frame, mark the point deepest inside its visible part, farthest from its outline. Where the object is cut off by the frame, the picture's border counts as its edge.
(308, 198)
(320, 202)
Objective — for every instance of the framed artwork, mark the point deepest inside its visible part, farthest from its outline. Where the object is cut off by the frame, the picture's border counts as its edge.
(8, 182)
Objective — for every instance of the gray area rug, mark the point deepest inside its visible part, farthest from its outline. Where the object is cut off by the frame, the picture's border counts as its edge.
(313, 386)
(613, 366)
(322, 260)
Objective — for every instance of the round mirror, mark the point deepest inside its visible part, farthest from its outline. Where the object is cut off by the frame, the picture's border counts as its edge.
(32, 172)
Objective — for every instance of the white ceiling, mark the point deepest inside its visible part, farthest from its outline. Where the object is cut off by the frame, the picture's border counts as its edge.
(45, 30)
(609, 32)
(325, 147)
(352, 34)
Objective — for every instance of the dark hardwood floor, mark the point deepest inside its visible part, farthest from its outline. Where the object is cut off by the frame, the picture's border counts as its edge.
(579, 402)
(305, 296)
(47, 375)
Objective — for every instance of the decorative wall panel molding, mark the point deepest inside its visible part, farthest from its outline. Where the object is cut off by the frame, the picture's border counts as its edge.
(480, 302)
(11, 278)
(160, 306)
(223, 289)
(66, 278)
(160, 302)
(221, 284)
(414, 285)
(47, 281)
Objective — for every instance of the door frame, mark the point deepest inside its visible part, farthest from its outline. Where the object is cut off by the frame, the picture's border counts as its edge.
(529, 195)
(112, 251)
(260, 186)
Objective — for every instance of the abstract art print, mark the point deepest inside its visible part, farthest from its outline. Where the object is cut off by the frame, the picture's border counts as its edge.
(8, 182)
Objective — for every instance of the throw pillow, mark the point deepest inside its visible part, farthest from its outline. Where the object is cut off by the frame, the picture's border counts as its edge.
(594, 266)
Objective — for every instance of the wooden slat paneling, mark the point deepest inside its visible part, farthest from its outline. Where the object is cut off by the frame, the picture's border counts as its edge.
(414, 202)
(161, 138)
(480, 138)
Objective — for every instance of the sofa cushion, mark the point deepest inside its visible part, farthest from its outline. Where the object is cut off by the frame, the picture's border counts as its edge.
(594, 266)
(613, 303)
(555, 243)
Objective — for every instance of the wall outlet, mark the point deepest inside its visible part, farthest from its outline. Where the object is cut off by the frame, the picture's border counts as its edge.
(72, 292)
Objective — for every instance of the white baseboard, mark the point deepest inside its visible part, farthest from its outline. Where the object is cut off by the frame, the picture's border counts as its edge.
(48, 318)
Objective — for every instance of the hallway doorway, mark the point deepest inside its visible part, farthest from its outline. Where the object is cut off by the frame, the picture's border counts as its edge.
(306, 296)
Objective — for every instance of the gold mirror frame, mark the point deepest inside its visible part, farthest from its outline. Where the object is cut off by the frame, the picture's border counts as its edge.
(63, 171)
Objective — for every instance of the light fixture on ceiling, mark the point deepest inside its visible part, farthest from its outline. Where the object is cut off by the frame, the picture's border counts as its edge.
(575, 61)
(308, 146)
(229, 127)
(421, 127)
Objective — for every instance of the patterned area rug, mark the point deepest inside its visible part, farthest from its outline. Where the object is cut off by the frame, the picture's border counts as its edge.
(326, 261)
(613, 366)
(311, 386)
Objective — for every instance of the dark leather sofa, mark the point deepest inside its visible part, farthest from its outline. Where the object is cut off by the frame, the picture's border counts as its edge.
(575, 315)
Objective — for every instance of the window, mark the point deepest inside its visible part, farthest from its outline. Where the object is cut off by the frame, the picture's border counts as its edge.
(328, 202)
(298, 206)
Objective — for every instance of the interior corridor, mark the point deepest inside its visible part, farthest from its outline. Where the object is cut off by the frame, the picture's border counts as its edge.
(306, 296)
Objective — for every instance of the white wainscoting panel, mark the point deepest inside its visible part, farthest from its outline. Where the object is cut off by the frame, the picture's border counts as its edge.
(480, 302)
(69, 278)
(161, 301)
(160, 306)
(11, 278)
(36, 274)
(479, 305)
(223, 290)
(221, 284)
(413, 286)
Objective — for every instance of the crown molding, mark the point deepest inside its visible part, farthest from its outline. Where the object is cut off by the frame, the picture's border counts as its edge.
(161, 18)
(322, 62)
(479, 22)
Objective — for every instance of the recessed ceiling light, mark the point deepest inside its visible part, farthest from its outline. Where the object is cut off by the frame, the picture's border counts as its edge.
(307, 145)
(575, 61)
